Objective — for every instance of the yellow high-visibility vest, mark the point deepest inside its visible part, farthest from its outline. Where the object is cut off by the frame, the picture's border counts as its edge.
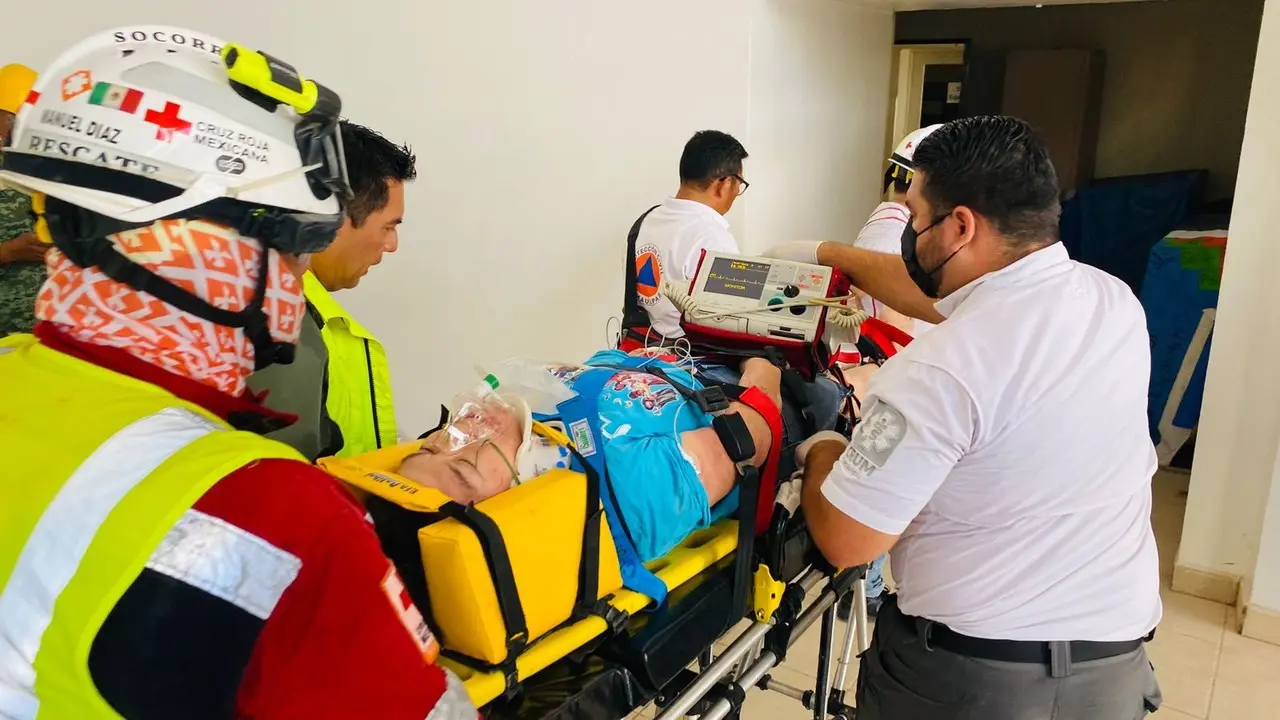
(359, 398)
(101, 472)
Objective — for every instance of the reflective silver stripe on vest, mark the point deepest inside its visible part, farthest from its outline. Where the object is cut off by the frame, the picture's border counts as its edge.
(227, 562)
(61, 537)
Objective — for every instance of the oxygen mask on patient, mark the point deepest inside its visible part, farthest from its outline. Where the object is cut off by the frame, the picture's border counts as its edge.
(489, 443)
(471, 458)
(477, 415)
(487, 446)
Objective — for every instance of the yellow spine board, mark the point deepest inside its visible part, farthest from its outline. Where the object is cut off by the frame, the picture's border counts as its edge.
(698, 552)
(375, 474)
(542, 528)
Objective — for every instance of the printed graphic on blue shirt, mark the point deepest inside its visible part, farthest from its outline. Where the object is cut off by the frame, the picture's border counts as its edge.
(641, 422)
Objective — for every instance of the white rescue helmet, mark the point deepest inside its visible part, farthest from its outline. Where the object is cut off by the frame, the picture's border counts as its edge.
(148, 122)
(138, 124)
(901, 164)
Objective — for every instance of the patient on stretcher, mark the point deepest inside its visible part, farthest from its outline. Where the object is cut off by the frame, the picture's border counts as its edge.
(668, 469)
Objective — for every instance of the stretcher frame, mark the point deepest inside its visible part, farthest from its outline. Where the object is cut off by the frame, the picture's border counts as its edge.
(720, 687)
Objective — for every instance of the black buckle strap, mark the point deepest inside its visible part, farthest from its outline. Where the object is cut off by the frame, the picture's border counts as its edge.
(589, 563)
(710, 400)
(632, 314)
(504, 581)
(735, 436)
(794, 393)
(613, 617)
(744, 562)
(444, 420)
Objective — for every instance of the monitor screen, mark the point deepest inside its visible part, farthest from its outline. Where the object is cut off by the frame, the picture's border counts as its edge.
(740, 278)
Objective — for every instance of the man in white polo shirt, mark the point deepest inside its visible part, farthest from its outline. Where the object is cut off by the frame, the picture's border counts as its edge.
(1004, 457)
(882, 233)
(670, 238)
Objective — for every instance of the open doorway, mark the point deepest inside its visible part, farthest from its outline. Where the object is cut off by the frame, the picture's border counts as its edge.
(927, 86)
(1143, 106)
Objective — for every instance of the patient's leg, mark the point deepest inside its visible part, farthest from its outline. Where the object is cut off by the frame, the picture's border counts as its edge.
(715, 469)
(760, 373)
(859, 378)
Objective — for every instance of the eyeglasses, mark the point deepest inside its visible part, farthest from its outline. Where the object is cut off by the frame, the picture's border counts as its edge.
(741, 183)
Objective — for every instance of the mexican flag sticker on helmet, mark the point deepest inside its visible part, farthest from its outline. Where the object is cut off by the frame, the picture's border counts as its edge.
(161, 103)
(116, 97)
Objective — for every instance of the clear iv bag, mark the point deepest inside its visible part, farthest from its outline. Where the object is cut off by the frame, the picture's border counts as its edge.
(532, 381)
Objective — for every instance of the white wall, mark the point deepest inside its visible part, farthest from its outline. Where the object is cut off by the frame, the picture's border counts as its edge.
(542, 130)
(819, 96)
(1264, 590)
(1239, 433)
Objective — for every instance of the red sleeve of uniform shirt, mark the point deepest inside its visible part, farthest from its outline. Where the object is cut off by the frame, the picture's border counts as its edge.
(335, 645)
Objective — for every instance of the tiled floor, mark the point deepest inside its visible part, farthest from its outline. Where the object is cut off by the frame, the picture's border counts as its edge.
(1206, 669)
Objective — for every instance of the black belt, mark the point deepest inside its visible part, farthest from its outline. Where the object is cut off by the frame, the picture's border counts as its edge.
(1056, 655)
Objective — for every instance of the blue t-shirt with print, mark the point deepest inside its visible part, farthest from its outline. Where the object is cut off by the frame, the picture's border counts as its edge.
(641, 418)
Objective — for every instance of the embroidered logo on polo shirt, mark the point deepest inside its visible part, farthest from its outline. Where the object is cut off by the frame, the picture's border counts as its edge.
(882, 429)
(648, 274)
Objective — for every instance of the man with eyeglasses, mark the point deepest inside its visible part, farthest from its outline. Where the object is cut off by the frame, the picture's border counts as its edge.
(672, 235)
(666, 245)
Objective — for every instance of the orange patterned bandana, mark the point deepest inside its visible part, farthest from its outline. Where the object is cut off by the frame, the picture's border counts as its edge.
(209, 261)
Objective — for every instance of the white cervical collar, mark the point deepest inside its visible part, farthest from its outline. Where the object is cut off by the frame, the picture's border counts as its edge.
(537, 454)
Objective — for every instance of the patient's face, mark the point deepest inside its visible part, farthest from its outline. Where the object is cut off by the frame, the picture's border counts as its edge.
(476, 472)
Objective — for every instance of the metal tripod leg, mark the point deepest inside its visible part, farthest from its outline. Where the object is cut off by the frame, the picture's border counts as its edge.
(856, 628)
(860, 613)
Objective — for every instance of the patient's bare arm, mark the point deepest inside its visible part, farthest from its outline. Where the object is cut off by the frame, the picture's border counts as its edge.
(715, 469)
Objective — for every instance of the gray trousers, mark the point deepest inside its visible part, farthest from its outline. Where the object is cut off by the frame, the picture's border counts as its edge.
(900, 679)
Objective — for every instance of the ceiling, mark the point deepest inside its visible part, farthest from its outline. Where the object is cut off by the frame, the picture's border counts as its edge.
(954, 4)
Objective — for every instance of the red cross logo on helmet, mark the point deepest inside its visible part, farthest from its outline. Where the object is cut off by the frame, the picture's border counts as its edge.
(168, 121)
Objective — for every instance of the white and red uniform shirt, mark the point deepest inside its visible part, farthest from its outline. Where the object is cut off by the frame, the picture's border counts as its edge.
(668, 248)
(882, 233)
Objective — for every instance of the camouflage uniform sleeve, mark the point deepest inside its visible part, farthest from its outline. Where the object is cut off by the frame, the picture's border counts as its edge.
(19, 282)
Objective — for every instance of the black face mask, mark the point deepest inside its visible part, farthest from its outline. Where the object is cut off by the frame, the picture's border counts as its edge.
(926, 280)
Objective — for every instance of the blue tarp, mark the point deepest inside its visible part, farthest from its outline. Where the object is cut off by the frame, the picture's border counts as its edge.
(1183, 273)
(1113, 223)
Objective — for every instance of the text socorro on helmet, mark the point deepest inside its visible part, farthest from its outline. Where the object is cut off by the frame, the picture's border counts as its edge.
(173, 38)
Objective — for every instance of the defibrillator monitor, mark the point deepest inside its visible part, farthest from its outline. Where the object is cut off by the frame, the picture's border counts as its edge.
(759, 296)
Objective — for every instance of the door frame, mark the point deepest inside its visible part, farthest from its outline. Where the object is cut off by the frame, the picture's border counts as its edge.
(906, 85)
